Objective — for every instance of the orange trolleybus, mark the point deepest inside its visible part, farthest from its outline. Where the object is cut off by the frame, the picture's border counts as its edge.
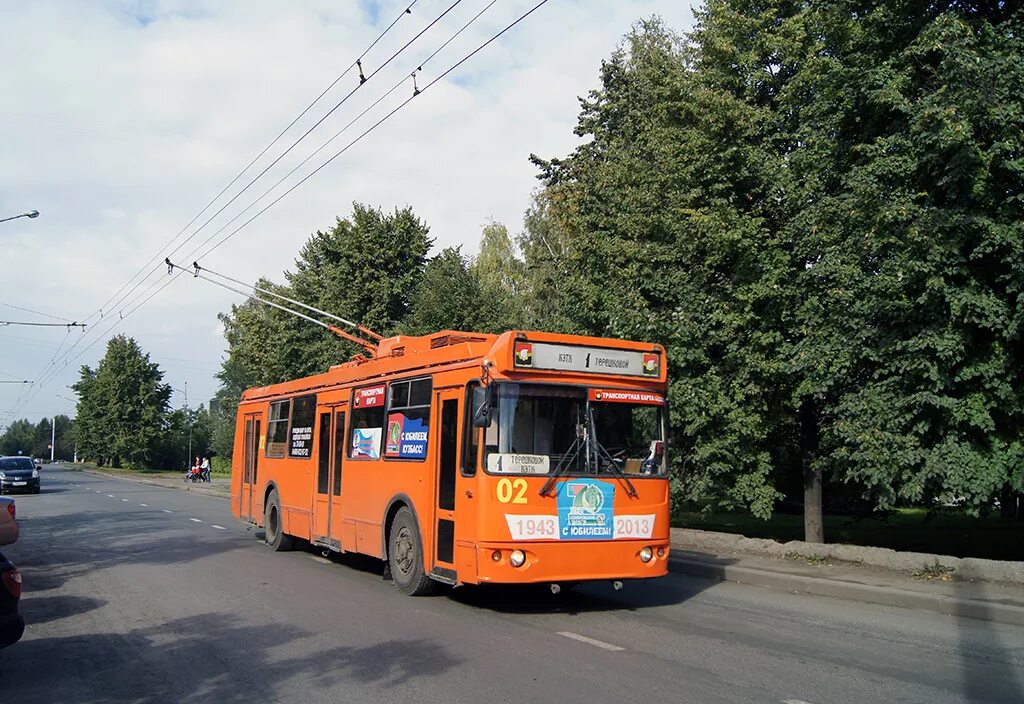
(466, 458)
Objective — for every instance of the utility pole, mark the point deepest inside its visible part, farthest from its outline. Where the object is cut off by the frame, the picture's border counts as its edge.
(188, 458)
(53, 437)
(189, 419)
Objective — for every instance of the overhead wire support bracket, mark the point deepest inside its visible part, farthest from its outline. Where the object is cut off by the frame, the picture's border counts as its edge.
(42, 325)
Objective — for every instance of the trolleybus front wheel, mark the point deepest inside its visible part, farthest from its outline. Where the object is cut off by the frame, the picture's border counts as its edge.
(405, 556)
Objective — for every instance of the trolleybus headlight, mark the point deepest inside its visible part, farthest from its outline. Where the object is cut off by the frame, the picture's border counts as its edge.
(646, 554)
(496, 555)
(517, 558)
(661, 552)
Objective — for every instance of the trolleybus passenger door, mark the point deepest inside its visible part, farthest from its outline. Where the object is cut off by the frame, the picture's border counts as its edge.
(250, 465)
(447, 402)
(327, 496)
(337, 454)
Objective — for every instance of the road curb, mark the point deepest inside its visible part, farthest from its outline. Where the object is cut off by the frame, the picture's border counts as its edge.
(140, 480)
(714, 542)
(851, 591)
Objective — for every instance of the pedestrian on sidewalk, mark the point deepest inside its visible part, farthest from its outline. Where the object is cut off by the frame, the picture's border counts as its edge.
(205, 468)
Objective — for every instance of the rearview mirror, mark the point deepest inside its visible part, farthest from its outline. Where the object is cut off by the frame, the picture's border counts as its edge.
(481, 405)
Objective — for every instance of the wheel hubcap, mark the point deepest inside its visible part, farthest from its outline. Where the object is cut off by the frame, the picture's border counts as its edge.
(404, 550)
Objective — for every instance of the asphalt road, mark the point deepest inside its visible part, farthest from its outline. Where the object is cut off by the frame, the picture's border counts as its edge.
(135, 593)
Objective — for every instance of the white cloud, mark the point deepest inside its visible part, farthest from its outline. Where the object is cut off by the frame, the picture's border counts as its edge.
(121, 119)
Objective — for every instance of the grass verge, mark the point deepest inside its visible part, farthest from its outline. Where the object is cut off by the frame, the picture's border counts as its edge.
(910, 529)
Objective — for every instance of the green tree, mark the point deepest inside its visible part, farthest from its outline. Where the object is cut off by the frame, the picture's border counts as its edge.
(122, 407)
(659, 227)
(183, 428)
(448, 296)
(816, 207)
(18, 438)
(499, 275)
(366, 269)
(908, 159)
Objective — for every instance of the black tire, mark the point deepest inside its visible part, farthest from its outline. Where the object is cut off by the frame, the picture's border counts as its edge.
(405, 556)
(37, 490)
(273, 535)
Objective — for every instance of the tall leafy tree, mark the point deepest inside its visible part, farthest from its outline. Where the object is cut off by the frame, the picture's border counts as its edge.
(18, 438)
(366, 268)
(448, 296)
(122, 407)
(499, 275)
(816, 207)
(662, 219)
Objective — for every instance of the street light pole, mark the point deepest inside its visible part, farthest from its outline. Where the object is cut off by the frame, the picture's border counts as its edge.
(53, 437)
(188, 458)
(189, 419)
(28, 214)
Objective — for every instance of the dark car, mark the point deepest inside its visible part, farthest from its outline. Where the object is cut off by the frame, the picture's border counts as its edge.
(12, 625)
(18, 474)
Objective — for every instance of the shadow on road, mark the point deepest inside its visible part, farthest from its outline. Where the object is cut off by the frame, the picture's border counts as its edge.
(210, 657)
(585, 597)
(43, 609)
(989, 671)
(52, 552)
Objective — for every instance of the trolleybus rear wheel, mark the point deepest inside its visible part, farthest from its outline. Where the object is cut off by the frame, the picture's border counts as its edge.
(405, 556)
(273, 534)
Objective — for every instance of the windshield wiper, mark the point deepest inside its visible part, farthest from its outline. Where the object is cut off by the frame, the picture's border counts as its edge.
(601, 451)
(563, 465)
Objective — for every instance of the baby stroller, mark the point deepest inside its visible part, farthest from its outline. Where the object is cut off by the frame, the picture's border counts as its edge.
(194, 475)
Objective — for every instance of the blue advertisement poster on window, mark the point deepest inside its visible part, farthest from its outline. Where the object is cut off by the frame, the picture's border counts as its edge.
(586, 510)
(406, 438)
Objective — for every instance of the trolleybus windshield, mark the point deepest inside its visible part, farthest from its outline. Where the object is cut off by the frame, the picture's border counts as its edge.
(568, 430)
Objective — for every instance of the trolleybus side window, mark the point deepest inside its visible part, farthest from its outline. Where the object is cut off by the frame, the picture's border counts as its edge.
(408, 423)
(367, 429)
(277, 428)
(301, 434)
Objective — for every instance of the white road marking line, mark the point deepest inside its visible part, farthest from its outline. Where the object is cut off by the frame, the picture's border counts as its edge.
(166, 511)
(124, 499)
(111, 496)
(146, 505)
(317, 558)
(98, 491)
(195, 520)
(214, 525)
(794, 701)
(590, 641)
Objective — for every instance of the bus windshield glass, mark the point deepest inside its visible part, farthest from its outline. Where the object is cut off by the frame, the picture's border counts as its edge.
(567, 430)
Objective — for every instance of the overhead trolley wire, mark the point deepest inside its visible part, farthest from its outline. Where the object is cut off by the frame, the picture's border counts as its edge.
(363, 80)
(354, 64)
(344, 129)
(36, 312)
(374, 126)
(387, 116)
(272, 164)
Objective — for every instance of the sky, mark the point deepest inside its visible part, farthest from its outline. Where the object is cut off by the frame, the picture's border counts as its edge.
(121, 120)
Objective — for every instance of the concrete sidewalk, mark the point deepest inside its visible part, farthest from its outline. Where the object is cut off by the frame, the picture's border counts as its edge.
(792, 568)
(1000, 602)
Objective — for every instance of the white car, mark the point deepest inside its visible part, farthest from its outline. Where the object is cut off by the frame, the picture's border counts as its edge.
(8, 521)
